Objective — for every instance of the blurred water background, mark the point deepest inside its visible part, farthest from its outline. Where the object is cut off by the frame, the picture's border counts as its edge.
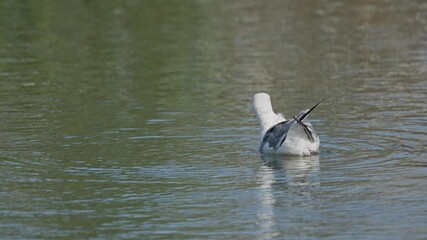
(132, 119)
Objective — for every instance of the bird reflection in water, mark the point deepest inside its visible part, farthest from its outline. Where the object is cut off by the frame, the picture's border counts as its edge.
(281, 179)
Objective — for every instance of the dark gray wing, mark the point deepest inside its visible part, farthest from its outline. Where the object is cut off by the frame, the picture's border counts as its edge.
(303, 115)
(276, 135)
(308, 129)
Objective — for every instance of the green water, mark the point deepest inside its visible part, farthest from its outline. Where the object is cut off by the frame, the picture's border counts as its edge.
(133, 119)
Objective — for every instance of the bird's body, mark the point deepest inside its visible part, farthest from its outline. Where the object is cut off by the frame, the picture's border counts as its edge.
(278, 135)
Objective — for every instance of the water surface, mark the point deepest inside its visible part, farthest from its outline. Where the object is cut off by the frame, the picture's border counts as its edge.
(132, 119)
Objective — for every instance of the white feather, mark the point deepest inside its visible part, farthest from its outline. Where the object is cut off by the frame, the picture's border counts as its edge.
(264, 112)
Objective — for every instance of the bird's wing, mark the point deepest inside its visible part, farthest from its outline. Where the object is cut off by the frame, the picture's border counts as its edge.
(276, 135)
(303, 115)
(308, 129)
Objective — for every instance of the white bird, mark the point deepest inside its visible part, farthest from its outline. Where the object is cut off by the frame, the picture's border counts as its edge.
(278, 135)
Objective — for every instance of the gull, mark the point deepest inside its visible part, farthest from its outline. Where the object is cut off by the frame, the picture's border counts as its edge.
(278, 135)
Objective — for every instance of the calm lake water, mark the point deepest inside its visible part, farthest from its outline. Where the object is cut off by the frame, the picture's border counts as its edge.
(133, 119)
